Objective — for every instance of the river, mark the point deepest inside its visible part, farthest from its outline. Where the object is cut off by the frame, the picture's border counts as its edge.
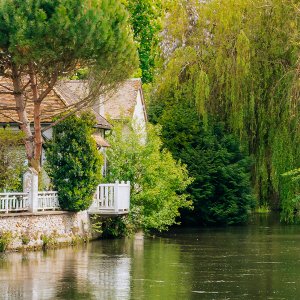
(258, 261)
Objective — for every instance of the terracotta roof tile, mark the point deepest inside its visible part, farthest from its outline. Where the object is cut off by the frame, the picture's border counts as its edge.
(100, 140)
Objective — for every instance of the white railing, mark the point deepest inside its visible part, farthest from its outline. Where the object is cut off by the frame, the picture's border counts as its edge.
(13, 202)
(111, 197)
(114, 197)
(48, 200)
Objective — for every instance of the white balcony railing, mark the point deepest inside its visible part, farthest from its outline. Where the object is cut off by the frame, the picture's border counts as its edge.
(48, 200)
(13, 202)
(112, 197)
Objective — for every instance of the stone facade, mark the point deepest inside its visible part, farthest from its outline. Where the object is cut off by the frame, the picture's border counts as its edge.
(35, 230)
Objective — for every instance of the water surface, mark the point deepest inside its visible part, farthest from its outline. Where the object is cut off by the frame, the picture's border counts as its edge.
(259, 261)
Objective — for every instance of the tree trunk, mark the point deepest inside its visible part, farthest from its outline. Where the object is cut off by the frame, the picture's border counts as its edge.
(38, 140)
(22, 114)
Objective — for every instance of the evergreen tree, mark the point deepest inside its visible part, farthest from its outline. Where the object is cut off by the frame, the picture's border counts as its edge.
(73, 162)
(221, 190)
(42, 41)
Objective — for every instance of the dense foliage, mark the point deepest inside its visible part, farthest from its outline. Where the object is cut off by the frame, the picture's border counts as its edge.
(145, 22)
(289, 196)
(42, 41)
(73, 162)
(157, 180)
(12, 160)
(221, 190)
(237, 60)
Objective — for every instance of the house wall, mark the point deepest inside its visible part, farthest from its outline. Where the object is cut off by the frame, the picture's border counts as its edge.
(54, 227)
(139, 121)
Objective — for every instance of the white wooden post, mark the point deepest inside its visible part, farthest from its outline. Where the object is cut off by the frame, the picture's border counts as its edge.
(30, 186)
(116, 196)
(6, 203)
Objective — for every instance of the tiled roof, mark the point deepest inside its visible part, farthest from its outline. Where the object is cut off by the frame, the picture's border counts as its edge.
(72, 91)
(118, 103)
(100, 140)
(51, 105)
(55, 102)
(121, 102)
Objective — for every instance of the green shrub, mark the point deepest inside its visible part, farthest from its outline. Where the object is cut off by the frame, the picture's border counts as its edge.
(290, 197)
(74, 163)
(12, 158)
(5, 239)
(25, 239)
(157, 181)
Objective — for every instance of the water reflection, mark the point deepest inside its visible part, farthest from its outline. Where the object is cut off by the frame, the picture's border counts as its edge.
(259, 261)
(72, 273)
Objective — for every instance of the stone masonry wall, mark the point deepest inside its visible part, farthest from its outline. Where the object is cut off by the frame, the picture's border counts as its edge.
(35, 230)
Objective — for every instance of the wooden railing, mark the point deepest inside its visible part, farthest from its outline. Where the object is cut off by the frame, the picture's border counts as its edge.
(114, 197)
(13, 202)
(48, 200)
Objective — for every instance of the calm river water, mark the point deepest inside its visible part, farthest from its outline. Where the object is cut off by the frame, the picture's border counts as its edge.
(259, 261)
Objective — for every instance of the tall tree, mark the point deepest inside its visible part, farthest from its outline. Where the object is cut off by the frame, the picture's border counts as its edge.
(145, 21)
(44, 40)
(74, 162)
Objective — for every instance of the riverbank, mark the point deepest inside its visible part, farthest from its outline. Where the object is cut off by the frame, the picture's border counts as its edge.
(43, 229)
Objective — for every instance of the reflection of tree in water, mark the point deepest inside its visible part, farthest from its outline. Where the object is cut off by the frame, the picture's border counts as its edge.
(71, 286)
(157, 269)
(74, 282)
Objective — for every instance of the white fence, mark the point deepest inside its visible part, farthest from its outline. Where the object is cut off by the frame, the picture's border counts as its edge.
(113, 197)
(48, 201)
(13, 202)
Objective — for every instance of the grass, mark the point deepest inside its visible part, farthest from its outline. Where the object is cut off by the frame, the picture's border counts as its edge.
(263, 209)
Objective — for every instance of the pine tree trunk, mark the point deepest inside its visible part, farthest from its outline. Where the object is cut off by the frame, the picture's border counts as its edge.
(22, 114)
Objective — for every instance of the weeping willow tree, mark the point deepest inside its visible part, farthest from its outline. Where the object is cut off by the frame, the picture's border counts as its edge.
(237, 61)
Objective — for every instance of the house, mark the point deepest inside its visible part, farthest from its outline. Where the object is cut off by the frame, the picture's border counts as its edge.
(124, 102)
(57, 101)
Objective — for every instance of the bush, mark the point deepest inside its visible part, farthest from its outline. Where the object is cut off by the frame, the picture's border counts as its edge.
(12, 158)
(290, 197)
(157, 180)
(5, 239)
(74, 163)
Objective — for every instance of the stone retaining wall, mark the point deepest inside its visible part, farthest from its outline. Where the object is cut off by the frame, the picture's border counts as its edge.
(35, 230)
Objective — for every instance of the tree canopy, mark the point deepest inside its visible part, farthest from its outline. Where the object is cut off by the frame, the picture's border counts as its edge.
(237, 62)
(145, 21)
(42, 41)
